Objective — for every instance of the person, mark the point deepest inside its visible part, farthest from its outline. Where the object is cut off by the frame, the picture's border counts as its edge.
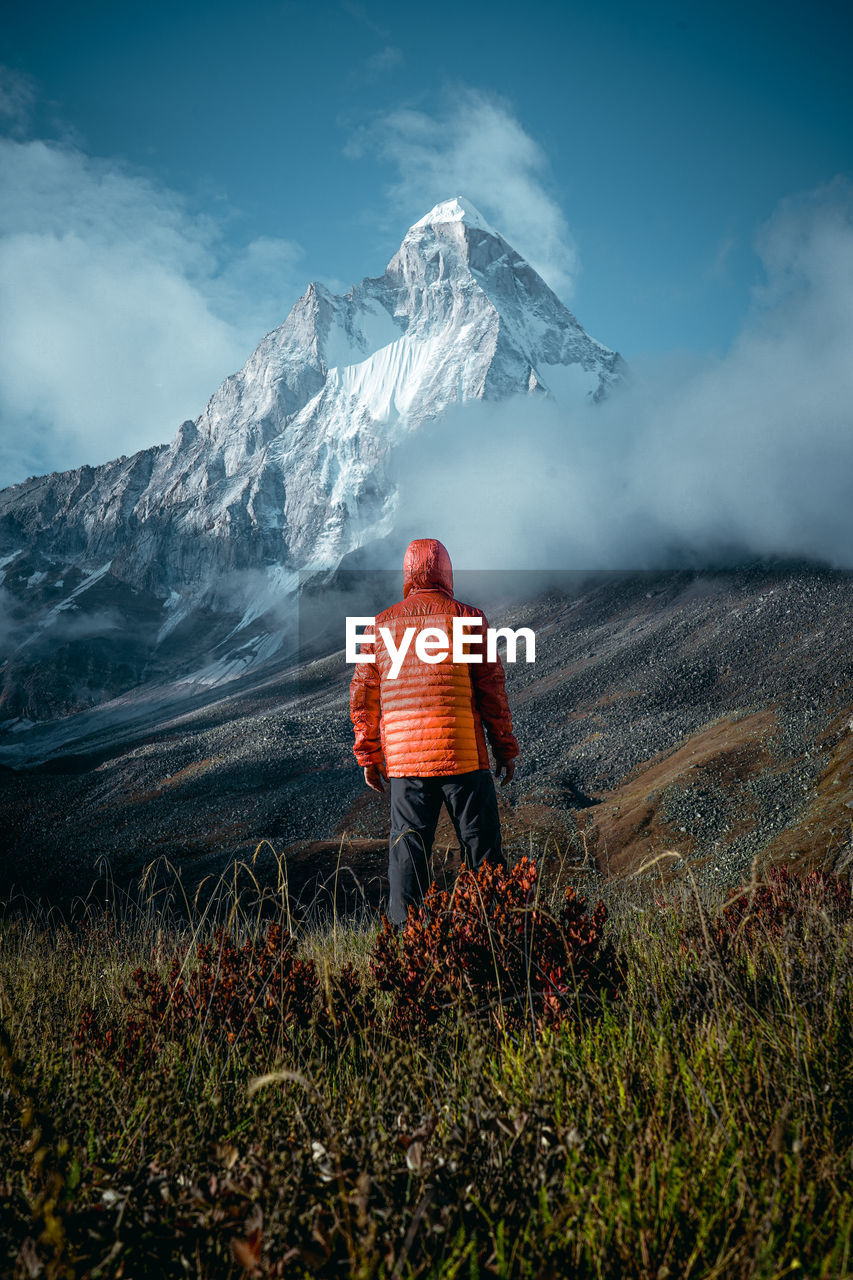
(425, 730)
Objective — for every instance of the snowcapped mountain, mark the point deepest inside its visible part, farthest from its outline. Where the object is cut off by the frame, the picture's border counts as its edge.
(285, 470)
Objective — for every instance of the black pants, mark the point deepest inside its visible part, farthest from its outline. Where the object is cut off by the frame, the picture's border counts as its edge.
(415, 808)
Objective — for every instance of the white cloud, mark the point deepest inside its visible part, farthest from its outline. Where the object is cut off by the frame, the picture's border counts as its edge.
(476, 147)
(751, 453)
(120, 311)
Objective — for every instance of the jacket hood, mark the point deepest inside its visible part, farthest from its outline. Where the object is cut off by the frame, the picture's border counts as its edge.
(427, 567)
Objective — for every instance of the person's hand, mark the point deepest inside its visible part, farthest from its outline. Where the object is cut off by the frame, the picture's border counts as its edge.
(508, 770)
(375, 777)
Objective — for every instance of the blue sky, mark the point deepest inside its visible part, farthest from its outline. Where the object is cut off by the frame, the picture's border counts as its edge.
(176, 173)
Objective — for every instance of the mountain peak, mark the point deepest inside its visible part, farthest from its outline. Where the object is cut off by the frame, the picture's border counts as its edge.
(458, 209)
(291, 468)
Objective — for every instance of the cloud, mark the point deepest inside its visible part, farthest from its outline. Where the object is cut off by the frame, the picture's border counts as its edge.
(120, 310)
(718, 267)
(359, 14)
(17, 97)
(750, 454)
(476, 147)
(386, 59)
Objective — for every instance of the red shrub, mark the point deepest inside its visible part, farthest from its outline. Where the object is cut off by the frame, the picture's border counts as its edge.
(781, 903)
(249, 993)
(486, 948)
(772, 908)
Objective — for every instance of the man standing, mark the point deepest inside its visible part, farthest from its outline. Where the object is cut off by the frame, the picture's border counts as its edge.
(425, 730)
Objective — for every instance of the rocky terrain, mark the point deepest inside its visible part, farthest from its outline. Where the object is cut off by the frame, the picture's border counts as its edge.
(172, 681)
(703, 716)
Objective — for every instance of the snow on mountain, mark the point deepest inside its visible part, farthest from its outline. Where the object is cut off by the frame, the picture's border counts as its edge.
(456, 210)
(286, 467)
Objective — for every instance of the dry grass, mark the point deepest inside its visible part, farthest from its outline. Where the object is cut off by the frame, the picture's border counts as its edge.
(701, 1126)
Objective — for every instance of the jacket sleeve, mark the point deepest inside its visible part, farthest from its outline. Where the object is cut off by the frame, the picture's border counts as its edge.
(364, 709)
(490, 699)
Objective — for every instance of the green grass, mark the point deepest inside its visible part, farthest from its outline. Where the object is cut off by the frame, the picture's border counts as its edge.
(699, 1126)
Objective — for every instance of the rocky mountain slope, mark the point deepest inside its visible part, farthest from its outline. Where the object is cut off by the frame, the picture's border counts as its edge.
(706, 717)
(181, 560)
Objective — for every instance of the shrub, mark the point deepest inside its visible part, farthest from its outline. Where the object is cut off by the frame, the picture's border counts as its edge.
(487, 949)
(782, 904)
(256, 994)
(778, 907)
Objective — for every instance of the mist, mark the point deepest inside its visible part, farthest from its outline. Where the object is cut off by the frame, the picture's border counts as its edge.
(475, 145)
(693, 462)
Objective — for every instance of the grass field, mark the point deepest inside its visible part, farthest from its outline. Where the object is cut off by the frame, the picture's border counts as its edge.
(699, 1124)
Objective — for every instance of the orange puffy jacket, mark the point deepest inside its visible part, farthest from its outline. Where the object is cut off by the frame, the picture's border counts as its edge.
(429, 721)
